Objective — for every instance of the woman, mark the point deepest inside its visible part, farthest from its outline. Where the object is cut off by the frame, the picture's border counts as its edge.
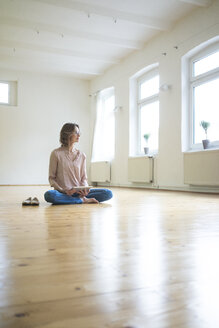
(67, 171)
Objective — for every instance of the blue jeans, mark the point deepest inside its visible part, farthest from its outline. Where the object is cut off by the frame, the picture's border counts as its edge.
(56, 197)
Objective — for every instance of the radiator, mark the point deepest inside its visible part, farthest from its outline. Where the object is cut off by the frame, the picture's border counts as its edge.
(202, 168)
(140, 169)
(100, 171)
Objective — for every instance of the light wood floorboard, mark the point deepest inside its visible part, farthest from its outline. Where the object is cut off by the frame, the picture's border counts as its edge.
(145, 258)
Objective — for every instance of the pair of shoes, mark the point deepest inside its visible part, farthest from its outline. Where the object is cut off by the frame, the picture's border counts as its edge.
(35, 202)
(31, 202)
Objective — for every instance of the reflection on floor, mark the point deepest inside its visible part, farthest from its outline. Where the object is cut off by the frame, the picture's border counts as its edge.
(143, 259)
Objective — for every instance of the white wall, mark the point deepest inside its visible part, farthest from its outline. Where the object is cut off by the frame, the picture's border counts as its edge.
(200, 26)
(30, 131)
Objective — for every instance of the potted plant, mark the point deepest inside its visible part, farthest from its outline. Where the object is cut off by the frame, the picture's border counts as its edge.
(146, 137)
(205, 125)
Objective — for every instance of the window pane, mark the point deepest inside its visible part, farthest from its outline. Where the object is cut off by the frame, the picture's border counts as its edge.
(149, 116)
(108, 134)
(149, 87)
(206, 108)
(206, 64)
(104, 134)
(4, 93)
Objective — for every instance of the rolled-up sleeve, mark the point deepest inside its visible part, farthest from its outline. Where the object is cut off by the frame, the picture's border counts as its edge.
(84, 181)
(53, 164)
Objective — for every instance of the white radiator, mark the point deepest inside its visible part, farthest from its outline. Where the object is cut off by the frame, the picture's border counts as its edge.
(100, 171)
(140, 169)
(202, 168)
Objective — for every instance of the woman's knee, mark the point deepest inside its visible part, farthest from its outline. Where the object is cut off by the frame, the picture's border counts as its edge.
(109, 194)
(49, 196)
(101, 194)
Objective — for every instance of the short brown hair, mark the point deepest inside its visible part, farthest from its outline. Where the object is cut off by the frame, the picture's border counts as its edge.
(66, 132)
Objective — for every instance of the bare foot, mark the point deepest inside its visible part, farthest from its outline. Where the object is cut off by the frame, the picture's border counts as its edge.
(90, 200)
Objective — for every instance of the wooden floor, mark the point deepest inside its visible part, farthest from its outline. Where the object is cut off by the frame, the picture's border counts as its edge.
(143, 259)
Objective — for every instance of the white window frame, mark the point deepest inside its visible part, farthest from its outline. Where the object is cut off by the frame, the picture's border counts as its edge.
(8, 84)
(12, 93)
(195, 81)
(102, 155)
(145, 101)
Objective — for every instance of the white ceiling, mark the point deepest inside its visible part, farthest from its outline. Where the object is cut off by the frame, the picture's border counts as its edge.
(81, 38)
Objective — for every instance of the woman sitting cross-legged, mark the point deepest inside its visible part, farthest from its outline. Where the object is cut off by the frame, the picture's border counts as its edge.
(67, 172)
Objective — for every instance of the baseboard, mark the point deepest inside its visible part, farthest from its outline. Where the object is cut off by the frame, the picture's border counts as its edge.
(24, 185)
(189, 188)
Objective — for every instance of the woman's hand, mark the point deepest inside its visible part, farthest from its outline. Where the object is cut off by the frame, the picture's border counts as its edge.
(70, 192)
(83, 192)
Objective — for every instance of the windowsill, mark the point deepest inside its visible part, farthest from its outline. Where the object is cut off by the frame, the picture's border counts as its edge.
(144, 155)
(8, 106)
(141, 156)
(199, 150)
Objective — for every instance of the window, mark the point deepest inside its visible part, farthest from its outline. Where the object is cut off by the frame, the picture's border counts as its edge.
(204, 98)
(4, 93)
(148, 110)
(104, 133)
(8, 93)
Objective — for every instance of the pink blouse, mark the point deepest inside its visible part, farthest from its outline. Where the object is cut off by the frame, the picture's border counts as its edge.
(67, 169)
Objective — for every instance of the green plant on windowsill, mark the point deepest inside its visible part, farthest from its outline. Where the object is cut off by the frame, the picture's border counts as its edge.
(205, 125)
(146, 138)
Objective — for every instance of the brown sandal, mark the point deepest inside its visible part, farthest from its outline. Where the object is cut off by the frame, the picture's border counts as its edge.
(35, 202)
(27, 202)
